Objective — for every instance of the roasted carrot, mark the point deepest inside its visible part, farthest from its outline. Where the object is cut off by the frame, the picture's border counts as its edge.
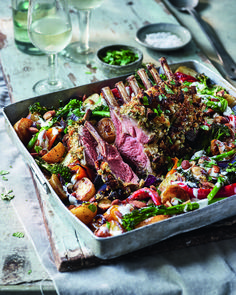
(173, 169)
(52, 135)
(81, 171)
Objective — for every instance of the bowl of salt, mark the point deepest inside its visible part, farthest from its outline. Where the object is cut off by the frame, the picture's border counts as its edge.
(163, 36)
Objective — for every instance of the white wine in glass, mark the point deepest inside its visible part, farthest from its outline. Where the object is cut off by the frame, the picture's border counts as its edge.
(75, 51)
(50, 30)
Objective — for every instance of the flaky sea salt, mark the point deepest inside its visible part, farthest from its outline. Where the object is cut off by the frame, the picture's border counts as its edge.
(163, 40)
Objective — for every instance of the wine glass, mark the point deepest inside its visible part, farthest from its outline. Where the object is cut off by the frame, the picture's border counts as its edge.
(50, 30)
(77, 50)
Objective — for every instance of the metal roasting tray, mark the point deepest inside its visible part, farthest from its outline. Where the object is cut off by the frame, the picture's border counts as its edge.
(111, 247)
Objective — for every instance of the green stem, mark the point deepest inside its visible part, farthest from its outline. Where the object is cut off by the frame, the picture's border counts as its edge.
(129, 221)
(32, 141)
(224, 155)
(217, 187)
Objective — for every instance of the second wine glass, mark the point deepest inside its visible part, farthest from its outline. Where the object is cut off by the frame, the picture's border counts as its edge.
(50, 30)
(77, 50)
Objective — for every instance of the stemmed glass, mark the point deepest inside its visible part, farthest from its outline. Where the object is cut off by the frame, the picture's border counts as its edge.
(76, 50)
(50, 30)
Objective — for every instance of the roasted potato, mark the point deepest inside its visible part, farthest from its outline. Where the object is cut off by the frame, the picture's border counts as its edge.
(57, 186)
(187, 71)
(91, 102)
(231, 100)
(85, 212)
(167, 181)
(174, 191)
(107, 130)
(104, 204)
(151, 220)
(22, 129)
(84, 189)
(56, 154)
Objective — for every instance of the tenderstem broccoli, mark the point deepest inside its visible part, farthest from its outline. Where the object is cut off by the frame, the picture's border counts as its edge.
(55, 168)
(130, 220)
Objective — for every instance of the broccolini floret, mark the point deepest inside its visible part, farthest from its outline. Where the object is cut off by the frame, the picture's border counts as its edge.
(56, 168)
(37, 108)
(68, 108)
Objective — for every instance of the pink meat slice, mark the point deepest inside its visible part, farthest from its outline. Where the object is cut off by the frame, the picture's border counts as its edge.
(112, 156)
(130, 140)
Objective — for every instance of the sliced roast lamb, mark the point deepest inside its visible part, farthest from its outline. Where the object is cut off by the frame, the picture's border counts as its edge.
(112, 157)
(130, 140)
(90, 147)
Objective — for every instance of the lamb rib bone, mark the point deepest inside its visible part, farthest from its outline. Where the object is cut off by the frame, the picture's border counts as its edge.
(167, 69)
(144, 77)
(133, 84)
(109, 97)
(154, 73)
(122, 91)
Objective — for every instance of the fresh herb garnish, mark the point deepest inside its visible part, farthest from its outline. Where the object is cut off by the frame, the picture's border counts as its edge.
(37, 108)
(92, 207)
(145, 100)
(218, 106)
(120, 57)
(163, 77)
(4, 172)
(158, 110)
(207, 86)
(18, 235)
(108, 224)
(38, 148)
(205, 127)
(168, 90)
(68, 109)
(7, 196)
(161, 97)
(187, 83)
(209, 164)
(101, 111)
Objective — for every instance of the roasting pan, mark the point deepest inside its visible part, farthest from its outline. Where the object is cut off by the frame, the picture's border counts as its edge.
(111, 247)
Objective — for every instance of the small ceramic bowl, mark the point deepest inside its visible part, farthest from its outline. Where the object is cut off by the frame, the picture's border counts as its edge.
(116, 70)
(180, 36)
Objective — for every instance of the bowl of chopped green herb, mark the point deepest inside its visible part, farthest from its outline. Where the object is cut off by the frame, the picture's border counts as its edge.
(118, 59)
